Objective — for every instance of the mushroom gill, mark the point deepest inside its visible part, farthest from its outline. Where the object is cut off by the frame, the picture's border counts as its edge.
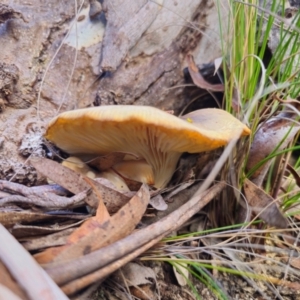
(152, 134)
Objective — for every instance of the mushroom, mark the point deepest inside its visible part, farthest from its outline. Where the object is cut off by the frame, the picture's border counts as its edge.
(151, 134)
(76, 164)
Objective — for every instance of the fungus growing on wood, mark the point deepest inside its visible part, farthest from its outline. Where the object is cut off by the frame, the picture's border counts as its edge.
(151, 134)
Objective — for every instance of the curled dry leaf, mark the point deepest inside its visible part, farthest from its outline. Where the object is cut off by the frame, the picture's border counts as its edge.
(135, 275)
(139, 278)
(44, 196)
(279, 129)
(264, 205)
(180, 271)
(198, 78)
(51, 202)
(158, 202)
(35, 191)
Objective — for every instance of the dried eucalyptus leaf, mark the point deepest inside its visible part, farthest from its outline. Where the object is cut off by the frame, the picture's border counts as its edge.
(279, 129)
(158, 203)
(264, 205)
(135, 275)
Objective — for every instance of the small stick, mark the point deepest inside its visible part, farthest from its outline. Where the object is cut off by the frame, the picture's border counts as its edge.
(26, 271)
(99, 275)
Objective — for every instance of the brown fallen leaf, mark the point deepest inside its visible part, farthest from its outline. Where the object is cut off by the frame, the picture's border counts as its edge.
(198, 78)
(158, 202)
(275, 133)
(294, 173)
(127, 248)
(143, 292)
(75, 183)
(94, 234)
(264, 205)
(135, 274)
(180, 271)
(28, 274)
(88, 226)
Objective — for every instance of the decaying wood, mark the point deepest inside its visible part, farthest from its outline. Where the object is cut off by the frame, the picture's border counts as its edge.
(264, 205)
(67, 271)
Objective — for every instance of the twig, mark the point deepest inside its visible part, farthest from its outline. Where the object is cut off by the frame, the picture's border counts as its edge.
(51, 201)
(98, 276)
(37, 284)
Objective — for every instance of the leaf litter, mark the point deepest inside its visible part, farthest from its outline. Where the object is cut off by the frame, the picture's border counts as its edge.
(110, 237)
(94, 194)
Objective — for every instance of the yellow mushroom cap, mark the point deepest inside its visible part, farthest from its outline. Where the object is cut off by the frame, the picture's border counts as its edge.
(152, 134)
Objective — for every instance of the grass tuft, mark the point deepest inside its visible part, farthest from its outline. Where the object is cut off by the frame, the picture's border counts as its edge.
(260, 79)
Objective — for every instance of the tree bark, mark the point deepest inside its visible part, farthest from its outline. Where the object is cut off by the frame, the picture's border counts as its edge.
(113, 52)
